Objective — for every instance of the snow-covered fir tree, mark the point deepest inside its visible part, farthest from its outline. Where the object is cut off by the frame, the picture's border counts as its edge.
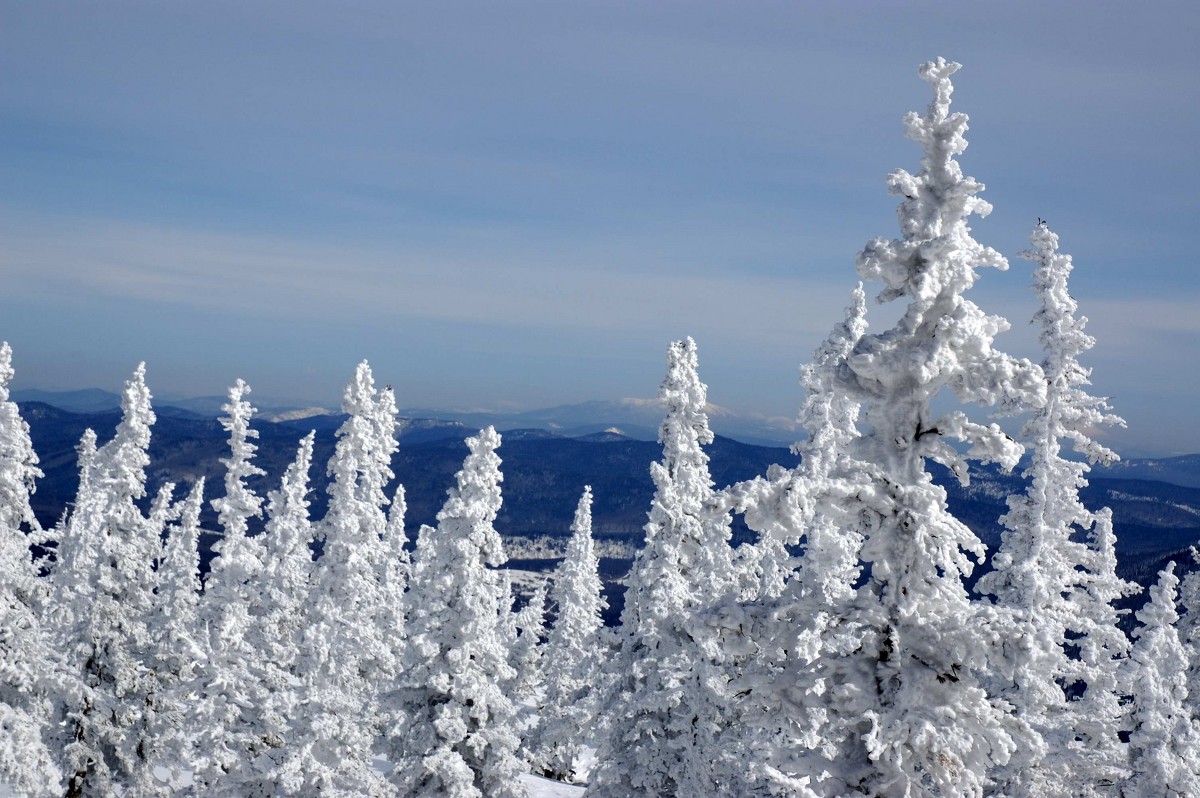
(238, 734)
(393, 582)
(1164, 744)
(342, 651)
(180, 649)
(75, 536)
(934, 731)
(30, 673)
(453, 731)
(806, 695)
(1042, 571)
(1189, 632)
(112, 731)
(573, 655)
(1102, 648)
(670, 703)
(280, 620)
(527, 649)
(781, 508)
(287, 538)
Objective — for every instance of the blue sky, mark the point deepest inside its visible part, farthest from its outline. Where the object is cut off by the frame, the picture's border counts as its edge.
(520, 204)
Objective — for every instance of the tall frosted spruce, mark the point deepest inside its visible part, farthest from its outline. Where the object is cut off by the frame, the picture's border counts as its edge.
(526, 651)
(668, 708)
(288, 568)
(113, 732)
(933, 730)
(1164, 744)
(804, 685)
(782, 507)
(1059, 595)
(343, 650)
(574, 652)
(30, 675)
(281, 619)
(237, 731)
(180, 648)
(1189, 632)
(394, 573)
(453, 723)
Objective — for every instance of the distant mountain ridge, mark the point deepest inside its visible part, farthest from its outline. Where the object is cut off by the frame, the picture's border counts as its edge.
(631, 417)
(1183, 470)
(545, 471)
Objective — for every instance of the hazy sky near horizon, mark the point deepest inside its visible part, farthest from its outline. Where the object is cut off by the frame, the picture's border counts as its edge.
(521, 204)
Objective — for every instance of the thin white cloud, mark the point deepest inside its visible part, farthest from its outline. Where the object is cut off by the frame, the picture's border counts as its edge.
(251, 274)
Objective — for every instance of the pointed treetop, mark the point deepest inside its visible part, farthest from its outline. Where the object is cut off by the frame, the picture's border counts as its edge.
(685, 426)
(583, 514)
(938, 74)
(1061, 330)
(359, 396)
(1063, 337)
(936, 258)
(827, 415)
(1160, 611)
(135, 398)
(297, 472)
(366, 442)
(136, 393)
(476, 496)
(86, 450)
(124, 458)
(239, 502)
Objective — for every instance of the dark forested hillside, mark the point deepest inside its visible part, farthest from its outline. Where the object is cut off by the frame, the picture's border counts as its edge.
(544, 473)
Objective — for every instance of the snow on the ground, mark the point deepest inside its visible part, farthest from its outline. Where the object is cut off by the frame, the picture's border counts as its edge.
(545, 788)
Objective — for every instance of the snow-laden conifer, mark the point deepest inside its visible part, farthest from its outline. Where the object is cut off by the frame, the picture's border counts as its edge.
(343, 650)
(238, 733)
(1164, 744)
(1102, 647)
(804, 688)
(573, 654)
(528, 648)
(393, 582)
(1189, 633)
(287, 538)
(933, 728)
(670, 704)
(180, 650)
(1042, 575)
(74, 568)
(30, 674)
(453, 725)
(278, 624)
(112, 731)
(347, 576)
